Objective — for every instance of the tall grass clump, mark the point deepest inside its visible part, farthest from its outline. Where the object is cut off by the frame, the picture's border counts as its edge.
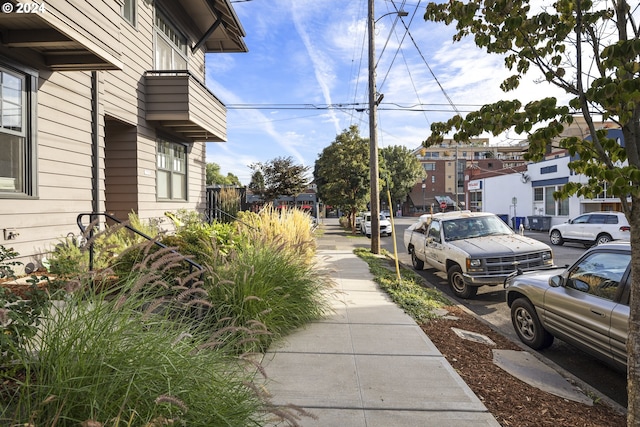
(291, 227)
(117, 362)
(267, 288)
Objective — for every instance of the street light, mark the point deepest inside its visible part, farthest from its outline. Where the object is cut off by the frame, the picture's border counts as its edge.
(373, 125)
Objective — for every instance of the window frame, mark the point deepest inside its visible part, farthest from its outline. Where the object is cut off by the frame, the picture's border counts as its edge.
(160, 35)
(171, 171)
(132, 7)
(28, 172)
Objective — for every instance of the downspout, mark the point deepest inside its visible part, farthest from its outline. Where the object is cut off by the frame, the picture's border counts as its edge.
(95, 139)
(95, 162)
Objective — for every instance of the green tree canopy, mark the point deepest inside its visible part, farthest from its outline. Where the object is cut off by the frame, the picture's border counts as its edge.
(278, 177)
(341, 172)
(591, 50)
(214, 176)
(400, 171)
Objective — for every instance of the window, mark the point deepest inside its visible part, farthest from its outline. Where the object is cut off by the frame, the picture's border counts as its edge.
(129, 11)
(172, 171)
(551, 205)
(170, 46)
(599, 274)
(429, 166)
(538, 194)
(17, 136)
(434, 231)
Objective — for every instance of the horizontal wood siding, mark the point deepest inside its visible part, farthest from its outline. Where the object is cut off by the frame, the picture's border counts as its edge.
(121, 177)
(124, 90)
(64, 166)
(127, 140)
(94, 23)
(183, 98)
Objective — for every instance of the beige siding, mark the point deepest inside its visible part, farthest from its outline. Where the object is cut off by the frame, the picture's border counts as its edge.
(64, 166)
(120, 169)
(124, 90)
(127, 140)
(94, 23)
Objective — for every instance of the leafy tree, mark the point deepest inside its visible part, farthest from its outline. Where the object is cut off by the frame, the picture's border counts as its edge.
(591, 51)
(401, 170)
(342, 172)
(257, 182)
(280, 177)
(214, 176)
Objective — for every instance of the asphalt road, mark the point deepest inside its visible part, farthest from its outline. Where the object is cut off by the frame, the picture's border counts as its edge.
(491, 306)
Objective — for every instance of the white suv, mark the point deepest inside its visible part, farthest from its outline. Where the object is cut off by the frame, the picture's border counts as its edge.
(365, 225)
(591, 228)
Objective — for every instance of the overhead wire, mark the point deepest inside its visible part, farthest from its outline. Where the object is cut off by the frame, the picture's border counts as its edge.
(359, 69)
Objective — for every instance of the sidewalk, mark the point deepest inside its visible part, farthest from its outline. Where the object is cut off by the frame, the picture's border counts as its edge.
(368, 364)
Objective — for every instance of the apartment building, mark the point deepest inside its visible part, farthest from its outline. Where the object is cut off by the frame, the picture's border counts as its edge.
(104, 109)
(445, 171)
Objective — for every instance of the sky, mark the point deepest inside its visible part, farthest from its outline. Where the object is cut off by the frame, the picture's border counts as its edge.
(305, 55)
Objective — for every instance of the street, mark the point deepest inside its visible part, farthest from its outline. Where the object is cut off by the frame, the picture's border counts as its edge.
(491, 306)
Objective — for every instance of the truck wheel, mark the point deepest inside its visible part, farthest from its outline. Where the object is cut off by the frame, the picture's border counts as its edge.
(527, 325)
(418, 264)
(458, 285)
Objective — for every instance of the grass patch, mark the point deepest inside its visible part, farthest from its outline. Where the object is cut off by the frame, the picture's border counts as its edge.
(411, 295)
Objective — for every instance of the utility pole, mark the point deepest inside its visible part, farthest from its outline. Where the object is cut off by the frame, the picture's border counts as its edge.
(373, 136)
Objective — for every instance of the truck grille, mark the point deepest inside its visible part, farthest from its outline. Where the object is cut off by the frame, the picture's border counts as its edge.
(508, 264)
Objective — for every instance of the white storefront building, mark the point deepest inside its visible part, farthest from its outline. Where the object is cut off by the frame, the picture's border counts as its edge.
(528, 196)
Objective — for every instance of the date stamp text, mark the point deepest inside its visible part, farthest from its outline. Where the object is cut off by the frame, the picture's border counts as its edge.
(26, 7)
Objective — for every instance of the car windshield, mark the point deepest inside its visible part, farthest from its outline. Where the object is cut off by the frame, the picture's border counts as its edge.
(468, 228)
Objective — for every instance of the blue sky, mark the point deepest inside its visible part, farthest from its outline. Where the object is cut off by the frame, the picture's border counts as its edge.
(314, 53)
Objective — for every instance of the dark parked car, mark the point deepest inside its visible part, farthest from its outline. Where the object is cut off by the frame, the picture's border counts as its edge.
(586, 304)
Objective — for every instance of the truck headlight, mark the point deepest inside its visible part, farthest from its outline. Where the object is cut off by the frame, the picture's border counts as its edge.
(473, 263)
(547, 256)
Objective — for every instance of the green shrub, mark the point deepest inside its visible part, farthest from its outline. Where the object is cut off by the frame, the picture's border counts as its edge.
(265, 288)
(111, 361)
(19, 320)
(6, 263)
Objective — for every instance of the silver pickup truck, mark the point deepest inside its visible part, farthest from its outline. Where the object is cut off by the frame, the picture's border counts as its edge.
(473, 249)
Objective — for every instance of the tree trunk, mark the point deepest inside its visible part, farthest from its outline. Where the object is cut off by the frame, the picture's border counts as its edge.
(633, 341)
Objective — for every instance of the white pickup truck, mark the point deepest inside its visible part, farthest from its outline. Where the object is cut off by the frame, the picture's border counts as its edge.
(473, 248)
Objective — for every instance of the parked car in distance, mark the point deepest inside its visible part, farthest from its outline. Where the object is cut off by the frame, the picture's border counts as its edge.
(586, 304)
(594, 228)
(365, 225)
(386, 213)
(358, 221)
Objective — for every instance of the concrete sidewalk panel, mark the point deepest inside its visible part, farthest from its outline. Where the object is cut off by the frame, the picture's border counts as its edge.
(322, 337)
(401, 340)
(318, 380)
(425, 418)
(387, 418)
(374, 307)
(413, 383)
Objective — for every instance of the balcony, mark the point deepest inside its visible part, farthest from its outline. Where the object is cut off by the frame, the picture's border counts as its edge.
(64, 36)
(182, 104)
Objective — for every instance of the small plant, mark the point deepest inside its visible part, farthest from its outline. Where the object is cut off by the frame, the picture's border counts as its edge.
(19, 317)
(6, 265)
(67, 259)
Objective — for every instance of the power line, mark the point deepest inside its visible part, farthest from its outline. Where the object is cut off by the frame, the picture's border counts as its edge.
(357, 106)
